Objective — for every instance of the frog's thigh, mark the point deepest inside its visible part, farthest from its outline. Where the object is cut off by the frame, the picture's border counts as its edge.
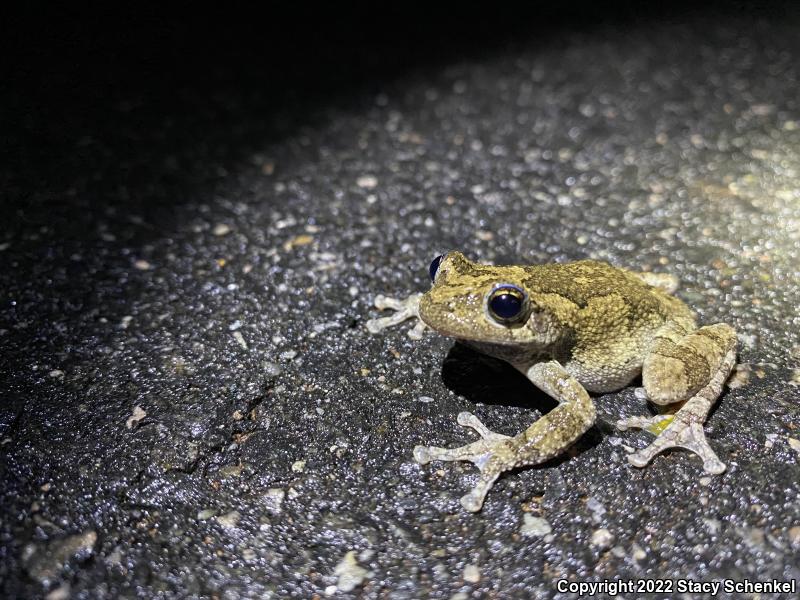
(681, 362)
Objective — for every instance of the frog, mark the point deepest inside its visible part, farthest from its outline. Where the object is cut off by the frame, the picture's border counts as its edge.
(573, 328)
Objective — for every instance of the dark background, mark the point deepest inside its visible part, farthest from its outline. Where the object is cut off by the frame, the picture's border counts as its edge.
(99, 72)
(128, 138)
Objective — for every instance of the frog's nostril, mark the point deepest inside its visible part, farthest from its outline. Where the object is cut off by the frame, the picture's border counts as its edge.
(434, 268)
(506, 303)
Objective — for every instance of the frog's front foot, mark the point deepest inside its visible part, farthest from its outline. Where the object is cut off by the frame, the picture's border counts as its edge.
(404, 310)
(491, 448)
(684, 429)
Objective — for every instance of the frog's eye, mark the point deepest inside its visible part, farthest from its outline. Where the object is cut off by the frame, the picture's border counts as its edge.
(506, 303)
(434, 268)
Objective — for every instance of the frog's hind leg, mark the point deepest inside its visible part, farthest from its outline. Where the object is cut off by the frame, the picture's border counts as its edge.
(549, 436)
(688, 369)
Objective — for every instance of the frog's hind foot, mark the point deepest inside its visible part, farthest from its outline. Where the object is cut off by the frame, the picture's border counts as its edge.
(684, 429)
(404, 310)
(480, 453)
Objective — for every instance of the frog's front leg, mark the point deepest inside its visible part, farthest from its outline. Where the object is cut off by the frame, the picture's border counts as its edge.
(548, 437)
(404, 310)
(687, 368)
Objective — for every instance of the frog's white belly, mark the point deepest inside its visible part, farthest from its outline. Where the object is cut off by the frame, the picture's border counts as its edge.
(605, 378)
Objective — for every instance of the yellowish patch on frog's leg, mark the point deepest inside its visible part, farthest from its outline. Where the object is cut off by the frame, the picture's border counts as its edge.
(548, 437)
(404, 310)
(687, 367)
(654, 425)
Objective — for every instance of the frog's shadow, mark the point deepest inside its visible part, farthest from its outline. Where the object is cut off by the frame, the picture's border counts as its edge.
(481, 378)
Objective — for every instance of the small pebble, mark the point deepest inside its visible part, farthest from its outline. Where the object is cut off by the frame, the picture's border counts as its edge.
(229, 520)
(44, 562)
(300, 240)
(350, 573)
(712, 525)
(142, 265)
(367, 182)
(221, 229)
(618, 551)
(249, 554)
(62, 592)
(748, 340)
(472, 574)
(794, 536)
(273, 499)
(237, 335)
(740, 377)
(638, 552)
(288, 355)
(602, 538)
(594, 505)
(137, 415)
(271, 369)
(534, 526)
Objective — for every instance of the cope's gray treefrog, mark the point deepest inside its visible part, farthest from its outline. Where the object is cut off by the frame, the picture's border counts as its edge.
(571, 329)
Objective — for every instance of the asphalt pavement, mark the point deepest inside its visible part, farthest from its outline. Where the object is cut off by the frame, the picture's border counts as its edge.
(192, 406)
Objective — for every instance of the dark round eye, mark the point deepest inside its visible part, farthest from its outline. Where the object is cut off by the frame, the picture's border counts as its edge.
(435, 266)
(506, 303)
